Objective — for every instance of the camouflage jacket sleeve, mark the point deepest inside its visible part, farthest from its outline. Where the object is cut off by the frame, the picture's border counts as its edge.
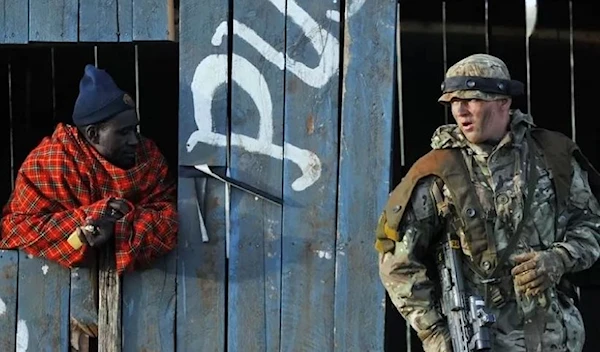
(582, 220)
(403, 267)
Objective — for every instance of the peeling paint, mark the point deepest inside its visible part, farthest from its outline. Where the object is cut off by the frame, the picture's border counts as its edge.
(2, 307)
(324, 254)
(333, 15)
(22, 336)
(45, 269)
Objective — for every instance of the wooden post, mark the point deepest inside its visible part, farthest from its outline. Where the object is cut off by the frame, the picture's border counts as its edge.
(109, 317)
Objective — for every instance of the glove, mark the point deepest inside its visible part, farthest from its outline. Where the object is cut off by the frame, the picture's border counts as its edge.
(537, 271)
(439, 340)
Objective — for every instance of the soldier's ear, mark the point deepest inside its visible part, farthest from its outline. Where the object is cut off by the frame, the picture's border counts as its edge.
(505, 104)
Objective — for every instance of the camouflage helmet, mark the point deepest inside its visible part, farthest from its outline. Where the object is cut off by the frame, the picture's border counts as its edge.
(479, 76)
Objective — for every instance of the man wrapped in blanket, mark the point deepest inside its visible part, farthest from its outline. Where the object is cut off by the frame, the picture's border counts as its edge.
(92, 183)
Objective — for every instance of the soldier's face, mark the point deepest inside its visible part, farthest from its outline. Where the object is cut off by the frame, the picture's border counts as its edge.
(481, 121)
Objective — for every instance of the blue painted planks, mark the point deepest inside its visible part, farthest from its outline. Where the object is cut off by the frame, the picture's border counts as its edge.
(43, 311)
(148, 315)
(203, 123)
(83, 302)
(203, 95)
(14, 28)
(310, 175)
(201, 267)
(9, 262)
(125, 20)
(98, 21)
(256, 158)
(153, 19)
(53, 20)
(364, 176)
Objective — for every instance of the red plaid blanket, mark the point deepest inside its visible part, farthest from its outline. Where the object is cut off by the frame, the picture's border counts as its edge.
(64, 180)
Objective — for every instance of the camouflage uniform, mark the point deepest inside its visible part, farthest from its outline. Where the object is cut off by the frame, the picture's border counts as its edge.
(498, 173)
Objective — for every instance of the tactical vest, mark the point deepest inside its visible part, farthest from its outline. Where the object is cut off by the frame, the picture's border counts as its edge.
(449, 166)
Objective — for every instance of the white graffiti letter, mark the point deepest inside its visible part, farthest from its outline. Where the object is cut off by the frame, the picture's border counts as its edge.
(210, 74)
(326, 45)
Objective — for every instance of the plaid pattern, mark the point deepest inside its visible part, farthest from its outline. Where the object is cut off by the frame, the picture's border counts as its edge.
(64, 180)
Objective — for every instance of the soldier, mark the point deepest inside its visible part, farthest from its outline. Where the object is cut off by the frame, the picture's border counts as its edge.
(520, 202)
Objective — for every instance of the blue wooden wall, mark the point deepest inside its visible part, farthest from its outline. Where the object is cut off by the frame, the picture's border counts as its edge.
(23, 21)
(295, 98)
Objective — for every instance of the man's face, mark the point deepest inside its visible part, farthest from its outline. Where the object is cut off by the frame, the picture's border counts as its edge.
(481, 121)
(117, 139)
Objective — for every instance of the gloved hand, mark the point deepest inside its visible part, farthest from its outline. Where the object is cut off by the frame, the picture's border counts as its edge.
(439, 340)
(537, 271)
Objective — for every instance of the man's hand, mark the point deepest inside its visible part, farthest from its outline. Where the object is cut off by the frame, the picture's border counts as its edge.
(98, 232)
(118, 208)
(537, 271)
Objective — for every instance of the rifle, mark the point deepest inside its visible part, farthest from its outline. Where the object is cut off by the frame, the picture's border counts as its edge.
(467, 318)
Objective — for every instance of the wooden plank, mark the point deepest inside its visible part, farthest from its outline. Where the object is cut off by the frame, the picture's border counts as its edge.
(149, 307)
(551, 55)
(201, 269)
(365, 159)
(257, 116)
(509, 45)
(9, 266)
(43, 311)
(98, 21)
(203, 95)
(14, 28)
(83, 303)
(153, 20)
(53, 20)
(310, 176)
(125, 15)
(110, 302)
(458, 15)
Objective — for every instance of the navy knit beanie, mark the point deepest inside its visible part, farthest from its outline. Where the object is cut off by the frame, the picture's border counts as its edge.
(99, 98)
